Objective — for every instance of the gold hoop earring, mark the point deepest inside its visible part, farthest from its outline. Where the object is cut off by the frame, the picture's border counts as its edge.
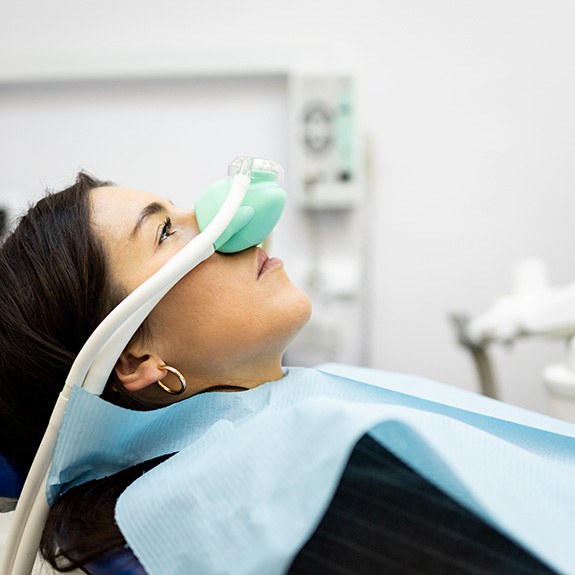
(180, 377)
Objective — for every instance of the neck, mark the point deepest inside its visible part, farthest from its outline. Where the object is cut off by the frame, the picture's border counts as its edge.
(246, 376)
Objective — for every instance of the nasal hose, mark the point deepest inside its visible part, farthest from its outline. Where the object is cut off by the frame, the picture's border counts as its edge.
(233, 214)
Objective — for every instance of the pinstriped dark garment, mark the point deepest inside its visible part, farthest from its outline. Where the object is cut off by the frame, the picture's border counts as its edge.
(387, 519)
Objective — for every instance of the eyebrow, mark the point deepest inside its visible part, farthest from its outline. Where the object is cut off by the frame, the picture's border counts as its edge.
(149, 211)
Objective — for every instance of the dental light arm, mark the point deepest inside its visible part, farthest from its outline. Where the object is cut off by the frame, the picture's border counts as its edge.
(533, 309)
(232, 216)
(549, 312)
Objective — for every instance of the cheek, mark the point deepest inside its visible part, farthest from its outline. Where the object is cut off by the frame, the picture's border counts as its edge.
(132, 267)
(219, 311)
(200, 308)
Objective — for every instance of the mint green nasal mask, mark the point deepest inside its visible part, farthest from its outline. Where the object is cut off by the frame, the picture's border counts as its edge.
(258, 213)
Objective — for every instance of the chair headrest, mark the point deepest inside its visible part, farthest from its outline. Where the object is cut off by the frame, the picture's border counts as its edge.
(11, 482)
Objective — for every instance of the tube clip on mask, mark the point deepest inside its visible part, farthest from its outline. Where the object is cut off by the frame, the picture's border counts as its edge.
(259, 212)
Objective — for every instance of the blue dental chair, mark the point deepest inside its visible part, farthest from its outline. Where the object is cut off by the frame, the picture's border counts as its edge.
(11, 482)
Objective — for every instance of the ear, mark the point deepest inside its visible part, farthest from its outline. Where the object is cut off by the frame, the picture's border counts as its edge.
(136, 372)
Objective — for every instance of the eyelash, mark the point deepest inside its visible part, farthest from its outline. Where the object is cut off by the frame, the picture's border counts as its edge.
(166, 230)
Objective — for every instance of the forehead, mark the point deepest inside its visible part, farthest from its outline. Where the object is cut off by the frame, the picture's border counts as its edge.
(115, 205)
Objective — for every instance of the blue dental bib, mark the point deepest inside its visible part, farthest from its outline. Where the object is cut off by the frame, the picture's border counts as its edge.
(255, 471)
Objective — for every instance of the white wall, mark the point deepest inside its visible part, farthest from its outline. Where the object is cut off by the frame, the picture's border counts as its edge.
(467, 106)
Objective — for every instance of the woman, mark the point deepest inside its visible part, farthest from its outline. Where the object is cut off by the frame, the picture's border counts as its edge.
(223, 327)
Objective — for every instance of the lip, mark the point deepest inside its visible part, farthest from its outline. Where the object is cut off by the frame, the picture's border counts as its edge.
(265, 263)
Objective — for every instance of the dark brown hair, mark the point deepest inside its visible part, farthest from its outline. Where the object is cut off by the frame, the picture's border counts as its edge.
(55, 288)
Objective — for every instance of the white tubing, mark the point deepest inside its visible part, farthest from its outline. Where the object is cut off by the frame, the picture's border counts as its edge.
(91, 370)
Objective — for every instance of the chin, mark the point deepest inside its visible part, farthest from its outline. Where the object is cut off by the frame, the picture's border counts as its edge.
(300, 313)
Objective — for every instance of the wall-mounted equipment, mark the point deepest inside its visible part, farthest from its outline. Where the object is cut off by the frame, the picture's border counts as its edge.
(324, 140)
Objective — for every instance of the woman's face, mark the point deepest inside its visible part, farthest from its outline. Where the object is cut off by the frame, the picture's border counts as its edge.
(227, 322)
